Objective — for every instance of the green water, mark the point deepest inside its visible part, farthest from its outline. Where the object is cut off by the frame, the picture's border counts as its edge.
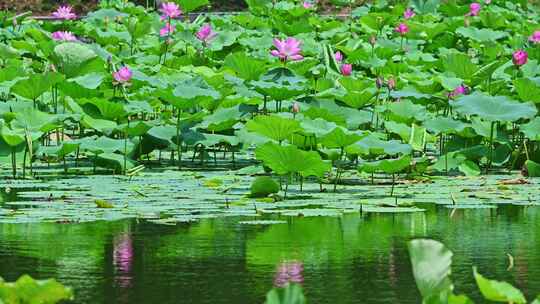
(354, 258)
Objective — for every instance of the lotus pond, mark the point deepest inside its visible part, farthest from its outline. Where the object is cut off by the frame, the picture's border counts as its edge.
(154, 153)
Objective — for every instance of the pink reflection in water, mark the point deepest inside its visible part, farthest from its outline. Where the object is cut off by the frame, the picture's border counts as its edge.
(289, 272)
(123, 259)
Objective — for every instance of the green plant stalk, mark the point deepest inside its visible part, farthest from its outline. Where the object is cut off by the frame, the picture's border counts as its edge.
(490, 147)
(14, 162)
(178, 148)
(393, 184)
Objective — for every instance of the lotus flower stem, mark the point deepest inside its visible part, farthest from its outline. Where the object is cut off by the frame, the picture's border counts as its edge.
(178, 148)
(24, 162)
(526, 150)
(14, 162)
(393, 184)
(490, 146)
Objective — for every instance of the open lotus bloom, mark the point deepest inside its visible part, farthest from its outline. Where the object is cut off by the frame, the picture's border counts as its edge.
(346, 69)
(123, 75)
(460, 90)
(535, 37)
(170, 10)
(63, 36)
(167, 30)
(402, 29)
(64, 12)
(206, 34)
(288, 49)
(520, 57)
(474, 9)
(409, 13)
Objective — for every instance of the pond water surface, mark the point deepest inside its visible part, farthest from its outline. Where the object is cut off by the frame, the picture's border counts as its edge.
(355, 258)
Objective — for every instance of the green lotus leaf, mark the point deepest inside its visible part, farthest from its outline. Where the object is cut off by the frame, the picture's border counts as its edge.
(263, 186)
(246, 67)
(531, 129)
(71, 56)
(89, 81)
(28, 290)
(372, 145)
(444, 125)
(338, 138)
(459, 64)
(481, 35)
(36, 84)
(498, 291)
(274, 127)
(431, 263)
(528, 89)
(533, 168)
(34, 120)
(191, 5)
(493, 108)
(388, 166)
(289, 159)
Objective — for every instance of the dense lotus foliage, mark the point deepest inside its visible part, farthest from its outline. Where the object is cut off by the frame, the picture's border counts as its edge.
(426, 87)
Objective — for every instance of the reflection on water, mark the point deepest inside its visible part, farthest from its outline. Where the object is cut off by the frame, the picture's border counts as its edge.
(123, 259)
(358, 258)
(289, 272)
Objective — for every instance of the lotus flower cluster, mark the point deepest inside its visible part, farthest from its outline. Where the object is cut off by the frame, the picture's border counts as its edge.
(63, 36)
(123, 75)
(402, 29)
(64, 12)
(535, 37)
(287, 49)
(409, 13)
(170, 10)
(206, 34)
(520, 58)
(345, 68)
(474, 9)
(289, 272)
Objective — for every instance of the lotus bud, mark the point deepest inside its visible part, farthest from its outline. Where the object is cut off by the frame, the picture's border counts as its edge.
(391, 83)
(379, 82)
(295, 108)
(372, 40)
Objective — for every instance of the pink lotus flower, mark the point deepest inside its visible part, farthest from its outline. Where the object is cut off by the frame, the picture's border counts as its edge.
(123, 75)
(338, 56)
(535, 37)
(474, 9)
(295, 108)
(287, 49)
(409, 13)
(206, 34)
(170, 10)
(64, 12)
(460, 90)
(346, 69)
(63, 36)
(167, 30)
(520, 57)
(391, 83)
(289, 272)
(402, 29)
(307, 5)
